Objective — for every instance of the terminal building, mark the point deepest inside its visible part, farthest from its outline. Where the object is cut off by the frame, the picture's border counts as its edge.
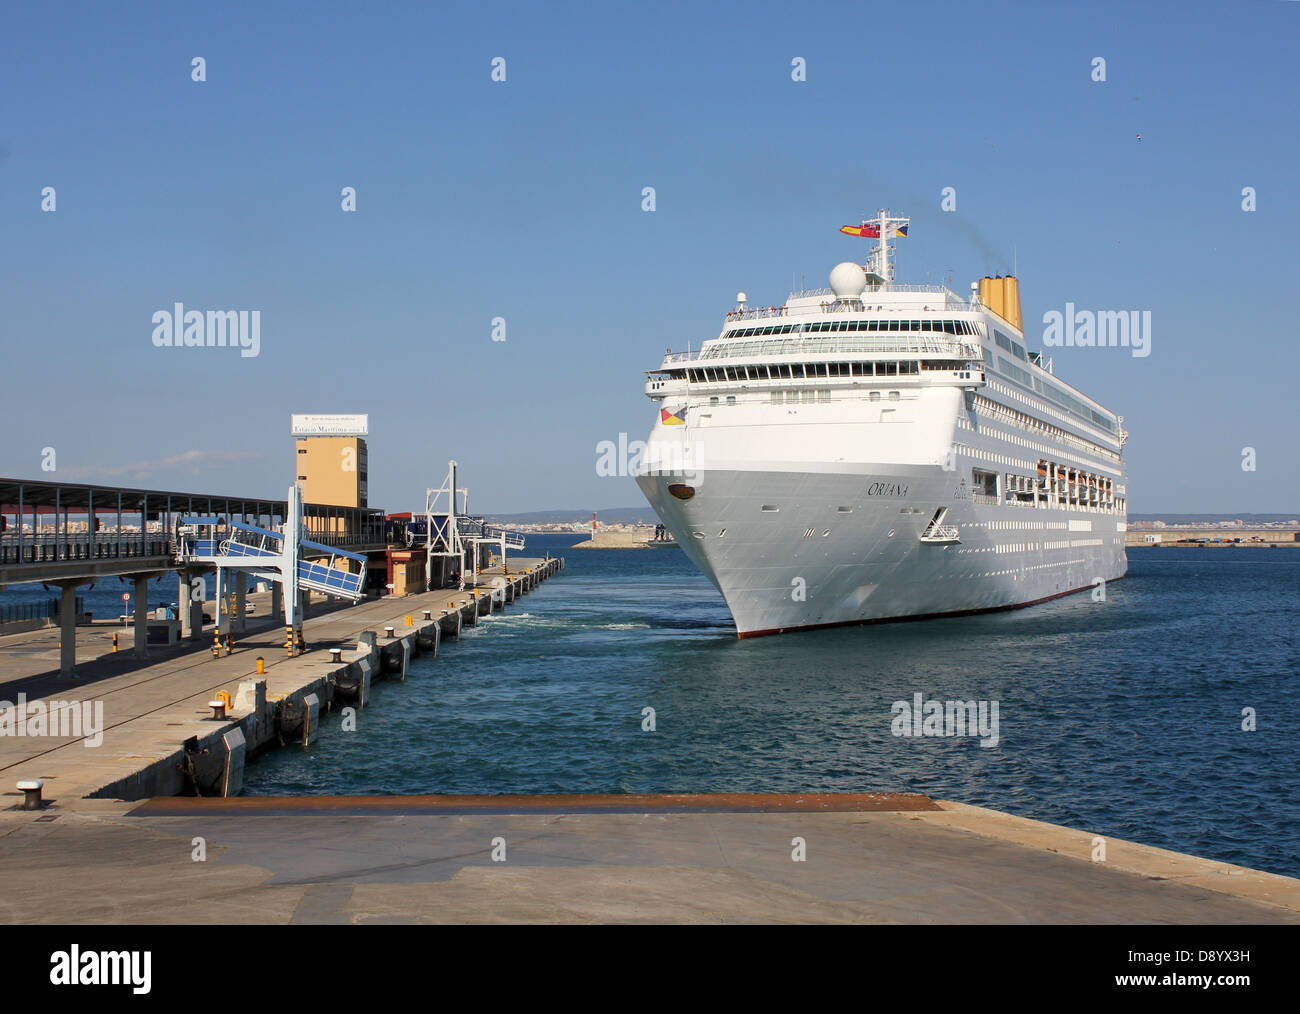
(333, 470)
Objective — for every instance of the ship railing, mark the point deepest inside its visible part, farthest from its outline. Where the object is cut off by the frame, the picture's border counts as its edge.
(888, 287)
(758, 313)
(829, 345)
(950, 301)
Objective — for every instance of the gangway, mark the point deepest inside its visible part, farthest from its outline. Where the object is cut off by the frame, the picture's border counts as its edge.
(252, 545)
(328, 577)
(479, 530)
(272, 556)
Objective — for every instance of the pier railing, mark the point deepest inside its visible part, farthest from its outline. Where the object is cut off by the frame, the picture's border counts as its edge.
(17, 612)
(369, 537)
(18, 549)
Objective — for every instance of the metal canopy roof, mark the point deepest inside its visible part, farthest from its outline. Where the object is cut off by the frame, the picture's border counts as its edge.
(75, 498)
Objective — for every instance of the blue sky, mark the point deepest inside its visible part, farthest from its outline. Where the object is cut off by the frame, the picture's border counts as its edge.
(478, 199)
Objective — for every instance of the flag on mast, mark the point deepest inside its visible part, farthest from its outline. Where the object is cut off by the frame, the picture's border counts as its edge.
(869, 230)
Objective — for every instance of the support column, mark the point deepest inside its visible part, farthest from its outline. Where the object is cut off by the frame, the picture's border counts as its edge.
(241, 592)
(189, 607)
(196, 613)
(222, 623)
(183, 611)
(277, 600)
(141, 616)
(68, 631)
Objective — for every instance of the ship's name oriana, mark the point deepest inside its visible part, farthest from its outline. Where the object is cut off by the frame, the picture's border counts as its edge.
(886, 489)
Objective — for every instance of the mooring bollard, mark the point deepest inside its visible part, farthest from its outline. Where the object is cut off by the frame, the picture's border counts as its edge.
(336, 654)
(31, 790)
(218, 709)
(428, 614)
(388, 631)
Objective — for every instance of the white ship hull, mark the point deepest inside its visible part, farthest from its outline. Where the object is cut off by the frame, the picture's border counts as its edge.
(869, 564)
(878, 451)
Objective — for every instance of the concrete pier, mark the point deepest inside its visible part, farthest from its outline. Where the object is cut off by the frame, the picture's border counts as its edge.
(862, 858)
(158, 734)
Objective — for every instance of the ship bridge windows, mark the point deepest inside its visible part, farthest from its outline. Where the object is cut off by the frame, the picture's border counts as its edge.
(952, 327)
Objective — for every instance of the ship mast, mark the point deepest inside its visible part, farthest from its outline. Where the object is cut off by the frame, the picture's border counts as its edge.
(880, 261)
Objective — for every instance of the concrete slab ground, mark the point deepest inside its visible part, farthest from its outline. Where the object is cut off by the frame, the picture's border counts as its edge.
(945, 863)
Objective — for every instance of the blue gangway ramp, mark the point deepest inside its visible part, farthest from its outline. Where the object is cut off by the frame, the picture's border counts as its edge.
(325, 577)
(209, 540)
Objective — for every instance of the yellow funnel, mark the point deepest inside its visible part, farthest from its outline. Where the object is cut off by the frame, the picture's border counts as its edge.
(1002, 296)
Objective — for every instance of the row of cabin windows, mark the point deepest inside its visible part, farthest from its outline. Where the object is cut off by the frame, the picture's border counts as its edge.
(1009, 344)
(800, 371)
(942, 326)
(1062, 399)
(1055, 394)
(824, 394)
(805, 397)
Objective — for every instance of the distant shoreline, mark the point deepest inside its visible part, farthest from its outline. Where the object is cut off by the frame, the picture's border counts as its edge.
(624, 540)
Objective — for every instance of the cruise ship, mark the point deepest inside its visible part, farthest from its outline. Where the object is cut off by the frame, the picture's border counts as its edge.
(879, 451)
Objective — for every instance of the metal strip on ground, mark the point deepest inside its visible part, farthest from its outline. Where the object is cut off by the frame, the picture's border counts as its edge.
(729, 802)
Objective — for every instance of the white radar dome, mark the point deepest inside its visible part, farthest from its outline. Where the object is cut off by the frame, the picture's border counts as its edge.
(741, 297)
(848, 280)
